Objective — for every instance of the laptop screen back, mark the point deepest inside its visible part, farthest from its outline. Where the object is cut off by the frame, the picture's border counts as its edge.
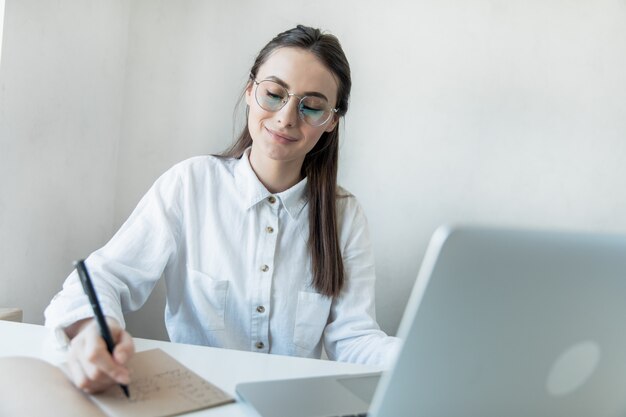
(513, 323)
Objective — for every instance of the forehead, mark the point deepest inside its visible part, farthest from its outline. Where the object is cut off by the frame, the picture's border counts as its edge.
(301, 71)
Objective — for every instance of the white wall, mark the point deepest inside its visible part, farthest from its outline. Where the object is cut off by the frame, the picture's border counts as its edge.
(498, 112)
(1, 26)
(61, 91)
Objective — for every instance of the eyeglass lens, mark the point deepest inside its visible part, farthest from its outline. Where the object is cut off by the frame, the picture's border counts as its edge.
(272, 96)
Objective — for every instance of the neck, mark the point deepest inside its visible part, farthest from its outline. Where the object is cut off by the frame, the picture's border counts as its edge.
(276, 176)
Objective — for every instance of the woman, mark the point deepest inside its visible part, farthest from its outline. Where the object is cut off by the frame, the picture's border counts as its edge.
(259, 248)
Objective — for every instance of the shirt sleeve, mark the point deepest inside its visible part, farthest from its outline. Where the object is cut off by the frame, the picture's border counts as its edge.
(127, 268)
(352, 334)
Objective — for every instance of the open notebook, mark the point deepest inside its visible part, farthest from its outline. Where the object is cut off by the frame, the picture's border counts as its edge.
(161, 386)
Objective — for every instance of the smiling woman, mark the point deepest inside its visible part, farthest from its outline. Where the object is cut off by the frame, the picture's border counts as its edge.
(280, 141)
(285, 151)
(259, 247)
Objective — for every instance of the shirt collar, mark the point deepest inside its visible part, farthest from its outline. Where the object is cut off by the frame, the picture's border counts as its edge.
(252, 191)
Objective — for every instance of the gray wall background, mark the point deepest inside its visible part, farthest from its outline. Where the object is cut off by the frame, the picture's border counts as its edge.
(486, 111)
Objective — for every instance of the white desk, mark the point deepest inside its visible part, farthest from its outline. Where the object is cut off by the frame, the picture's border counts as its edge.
(225, 368)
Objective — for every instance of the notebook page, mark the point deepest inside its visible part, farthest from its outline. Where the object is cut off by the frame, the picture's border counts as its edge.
(161, 386)
(31, 387)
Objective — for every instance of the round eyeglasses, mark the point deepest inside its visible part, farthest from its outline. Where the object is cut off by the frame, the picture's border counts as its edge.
(313, 110)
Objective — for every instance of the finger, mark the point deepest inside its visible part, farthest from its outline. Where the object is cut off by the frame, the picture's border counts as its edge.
(93, 386)
(80, 378)
(77, 375)
(124, 349)
(99, 365)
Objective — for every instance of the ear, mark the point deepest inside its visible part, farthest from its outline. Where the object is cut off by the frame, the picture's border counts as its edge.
(248, 93)
(333, 123)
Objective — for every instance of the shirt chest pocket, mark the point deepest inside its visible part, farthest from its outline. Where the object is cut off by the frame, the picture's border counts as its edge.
(209, 299)
(311, 318)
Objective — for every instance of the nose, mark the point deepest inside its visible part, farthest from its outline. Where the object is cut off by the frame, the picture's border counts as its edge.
(288, 115)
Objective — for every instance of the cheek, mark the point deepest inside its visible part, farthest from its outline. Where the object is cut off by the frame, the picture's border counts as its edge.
(255, 115)
(257, 118)
(313, 135)
(331, 125)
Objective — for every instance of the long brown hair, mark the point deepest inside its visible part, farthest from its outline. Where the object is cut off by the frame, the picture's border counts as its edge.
(320, 164)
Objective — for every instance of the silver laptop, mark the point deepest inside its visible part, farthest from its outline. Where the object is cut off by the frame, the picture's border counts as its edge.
(499, 323)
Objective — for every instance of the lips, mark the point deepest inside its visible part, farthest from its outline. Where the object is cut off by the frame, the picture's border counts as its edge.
(281, 137)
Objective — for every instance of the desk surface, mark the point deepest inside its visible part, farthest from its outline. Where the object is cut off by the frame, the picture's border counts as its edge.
(223, 367)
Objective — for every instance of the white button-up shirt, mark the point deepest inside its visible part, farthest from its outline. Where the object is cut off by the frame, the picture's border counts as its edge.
(237, 268)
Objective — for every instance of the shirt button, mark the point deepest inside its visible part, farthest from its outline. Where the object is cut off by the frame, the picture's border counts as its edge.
(271, 199)
(259, 345)
(260, 309)
(265, 268)
(269, 229)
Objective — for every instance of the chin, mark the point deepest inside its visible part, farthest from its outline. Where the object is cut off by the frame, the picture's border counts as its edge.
(272, 151)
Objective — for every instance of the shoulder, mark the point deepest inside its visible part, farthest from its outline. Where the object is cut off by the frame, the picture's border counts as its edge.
(195, 173)
(348, 205)
(345, 199)
(343, 193)
(201, 167)
(352, 224)
(203, 163)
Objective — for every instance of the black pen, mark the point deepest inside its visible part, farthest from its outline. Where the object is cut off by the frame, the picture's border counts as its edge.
(97, 311)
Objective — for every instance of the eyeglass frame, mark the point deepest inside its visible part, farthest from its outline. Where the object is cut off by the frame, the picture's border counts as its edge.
(289, 95)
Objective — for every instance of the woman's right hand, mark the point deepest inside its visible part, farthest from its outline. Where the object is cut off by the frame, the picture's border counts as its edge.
(92, 368)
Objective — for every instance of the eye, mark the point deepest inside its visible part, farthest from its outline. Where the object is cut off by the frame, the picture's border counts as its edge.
(313, 107)
(276, 96)
(274, 92)
(314, 104)
(311, 110)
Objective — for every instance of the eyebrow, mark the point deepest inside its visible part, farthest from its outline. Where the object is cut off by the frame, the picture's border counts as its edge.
(306, 93)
